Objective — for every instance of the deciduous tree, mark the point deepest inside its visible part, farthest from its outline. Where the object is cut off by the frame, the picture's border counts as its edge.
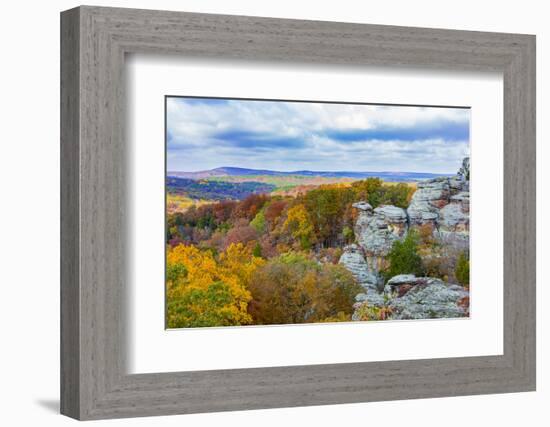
(299, 225)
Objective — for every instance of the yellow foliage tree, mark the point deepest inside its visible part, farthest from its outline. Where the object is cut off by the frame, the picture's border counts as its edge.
(202, 291)
(299, 225)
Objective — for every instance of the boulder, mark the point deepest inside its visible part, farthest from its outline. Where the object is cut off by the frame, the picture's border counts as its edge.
(362, 206)
(405, 279)
(429, 298)
(399, 285)
(377, 229)
(409, 297)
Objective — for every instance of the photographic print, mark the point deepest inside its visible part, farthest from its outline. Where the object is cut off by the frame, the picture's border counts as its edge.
(292, 212)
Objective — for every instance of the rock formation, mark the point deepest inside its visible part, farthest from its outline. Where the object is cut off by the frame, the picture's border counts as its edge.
(354, 260)
(455, 215)
(425, 298)
(442, 203)
(409, 297)
(430, 196)
(377, 229)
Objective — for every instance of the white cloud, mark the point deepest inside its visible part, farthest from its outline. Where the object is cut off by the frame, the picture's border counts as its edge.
(288, 136)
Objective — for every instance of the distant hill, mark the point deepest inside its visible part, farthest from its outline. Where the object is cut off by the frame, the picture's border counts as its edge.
(234, 171)
(215, 190)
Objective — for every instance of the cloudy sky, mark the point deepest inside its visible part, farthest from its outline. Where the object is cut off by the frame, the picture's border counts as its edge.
(205, 133)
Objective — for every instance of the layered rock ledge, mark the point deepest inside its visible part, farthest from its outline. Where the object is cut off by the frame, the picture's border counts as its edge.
(409, 297)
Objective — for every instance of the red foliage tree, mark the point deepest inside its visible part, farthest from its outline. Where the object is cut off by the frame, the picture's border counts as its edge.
(249, 207)
(273, 211)
(240, 234)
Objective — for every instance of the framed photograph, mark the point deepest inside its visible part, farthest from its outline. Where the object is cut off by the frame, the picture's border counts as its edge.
(295, 231)
(262, 213)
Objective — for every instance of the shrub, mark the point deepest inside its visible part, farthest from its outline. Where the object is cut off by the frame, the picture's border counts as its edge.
(367, 312)
(435, 267)
(403, 257)
(462, 269)
(330, 255)
(348, 234)
(425, 233)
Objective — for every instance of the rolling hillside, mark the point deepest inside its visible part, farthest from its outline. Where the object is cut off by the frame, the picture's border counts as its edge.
(245, 174)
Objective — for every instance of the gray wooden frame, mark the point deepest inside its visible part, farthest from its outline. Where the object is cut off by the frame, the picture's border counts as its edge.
(94, 41)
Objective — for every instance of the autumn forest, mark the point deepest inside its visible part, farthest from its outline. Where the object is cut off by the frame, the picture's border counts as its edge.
(261, 246)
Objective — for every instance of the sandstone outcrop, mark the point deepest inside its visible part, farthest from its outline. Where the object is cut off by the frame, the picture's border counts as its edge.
(409, 297)
(455, 215)
(444, 204)
(426, 298)
(430, 196)
(354, 260)
(377, 229)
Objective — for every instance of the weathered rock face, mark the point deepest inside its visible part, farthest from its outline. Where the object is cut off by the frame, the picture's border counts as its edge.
(354, 260)
(455, 215)
(377, 229)
(431, 195)
(426, 298)
(409, 297)
(444, 203)
(371, 297)
(453, 225)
